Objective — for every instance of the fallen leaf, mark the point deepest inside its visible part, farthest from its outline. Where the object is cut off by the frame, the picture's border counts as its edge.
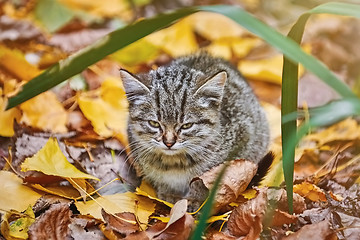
(63, 191)
(85, 227)
(74, 41)
(236, 179)
(147, 191)
(321, 230)
(310, 191)
(176, 40)
(123, 223)
(18, 30)
(347, 129)
(106, 108)
(212, 26)
(15, 63)
(246, 219)
(107, 8)
(51, 161)
(216, 235)
(11, 188)
(122, 202)
(53, 224)
(45, 112)
(138, 52)
(178, 211)
(7, 119)
(17, 227)
(281, 218)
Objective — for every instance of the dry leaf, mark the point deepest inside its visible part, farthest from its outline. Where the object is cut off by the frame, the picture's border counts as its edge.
(246, 220)
(45, 112)
(53, 224)
(123, 223)
(17, 227)
(85, 227)
(14, 62)
(213, 26)
(122, 202)
(7, 119)
(51, 161)
(177, 40)
(310, 191)
(236, 179)
(348, 129)
(106, 108)
(147, 191)
(107, 8)
(320, 231)
(11, 188)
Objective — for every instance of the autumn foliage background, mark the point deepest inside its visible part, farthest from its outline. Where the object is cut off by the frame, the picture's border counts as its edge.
(63, 153)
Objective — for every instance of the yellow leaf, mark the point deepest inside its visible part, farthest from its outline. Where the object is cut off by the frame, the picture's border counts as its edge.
(220, 48)
(268, 69)
(107, 8)
(62, 191)
(213, 26)
(45, 112)
(14, 195)
(347, 129)
(122, 202)
(7, 119)
(249, 193)
(17, 229)
(51, 161)
(273, 115)
(242, 46)
(138, 52)
(145, 187)
(145, 194)
(310, 191)
(106, 108)
(15, 63)
(177, 40)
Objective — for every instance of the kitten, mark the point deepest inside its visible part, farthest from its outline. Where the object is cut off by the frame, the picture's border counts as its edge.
(189, 116)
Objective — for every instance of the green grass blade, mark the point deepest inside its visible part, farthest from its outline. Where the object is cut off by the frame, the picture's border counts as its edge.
(206, 211)
(129, 34)
(290, 89)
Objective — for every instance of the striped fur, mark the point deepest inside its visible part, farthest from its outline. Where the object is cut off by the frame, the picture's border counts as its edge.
(203, 109)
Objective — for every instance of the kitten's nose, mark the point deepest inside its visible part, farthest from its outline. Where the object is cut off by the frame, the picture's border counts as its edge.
(169, 142)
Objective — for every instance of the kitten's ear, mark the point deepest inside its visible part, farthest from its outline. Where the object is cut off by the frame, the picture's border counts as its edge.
(212, 90)
(132, 85)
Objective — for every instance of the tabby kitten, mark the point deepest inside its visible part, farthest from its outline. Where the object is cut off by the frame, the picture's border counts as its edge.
(189, 116)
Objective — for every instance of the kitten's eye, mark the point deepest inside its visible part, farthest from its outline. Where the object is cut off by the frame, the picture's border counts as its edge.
(187, 125)
(154, 124)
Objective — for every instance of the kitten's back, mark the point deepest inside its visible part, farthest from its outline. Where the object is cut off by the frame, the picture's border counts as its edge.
(244, 127)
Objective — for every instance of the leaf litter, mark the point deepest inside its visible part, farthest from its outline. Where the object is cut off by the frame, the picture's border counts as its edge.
(92, 140)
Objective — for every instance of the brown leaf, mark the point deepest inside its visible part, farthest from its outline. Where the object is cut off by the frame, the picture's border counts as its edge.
(246, 219)
(219, 236)
(53, 224)
(237, 177)
(279, 196)
(18, 30)
(85, 227)
(280, 218)
(179, 230)
(123, 223)
(176, 213)
(321, 230)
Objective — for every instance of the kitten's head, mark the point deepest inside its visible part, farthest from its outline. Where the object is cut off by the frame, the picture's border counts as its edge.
(174, 110)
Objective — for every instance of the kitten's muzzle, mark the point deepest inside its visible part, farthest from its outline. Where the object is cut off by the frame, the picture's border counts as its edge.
(169, 142)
